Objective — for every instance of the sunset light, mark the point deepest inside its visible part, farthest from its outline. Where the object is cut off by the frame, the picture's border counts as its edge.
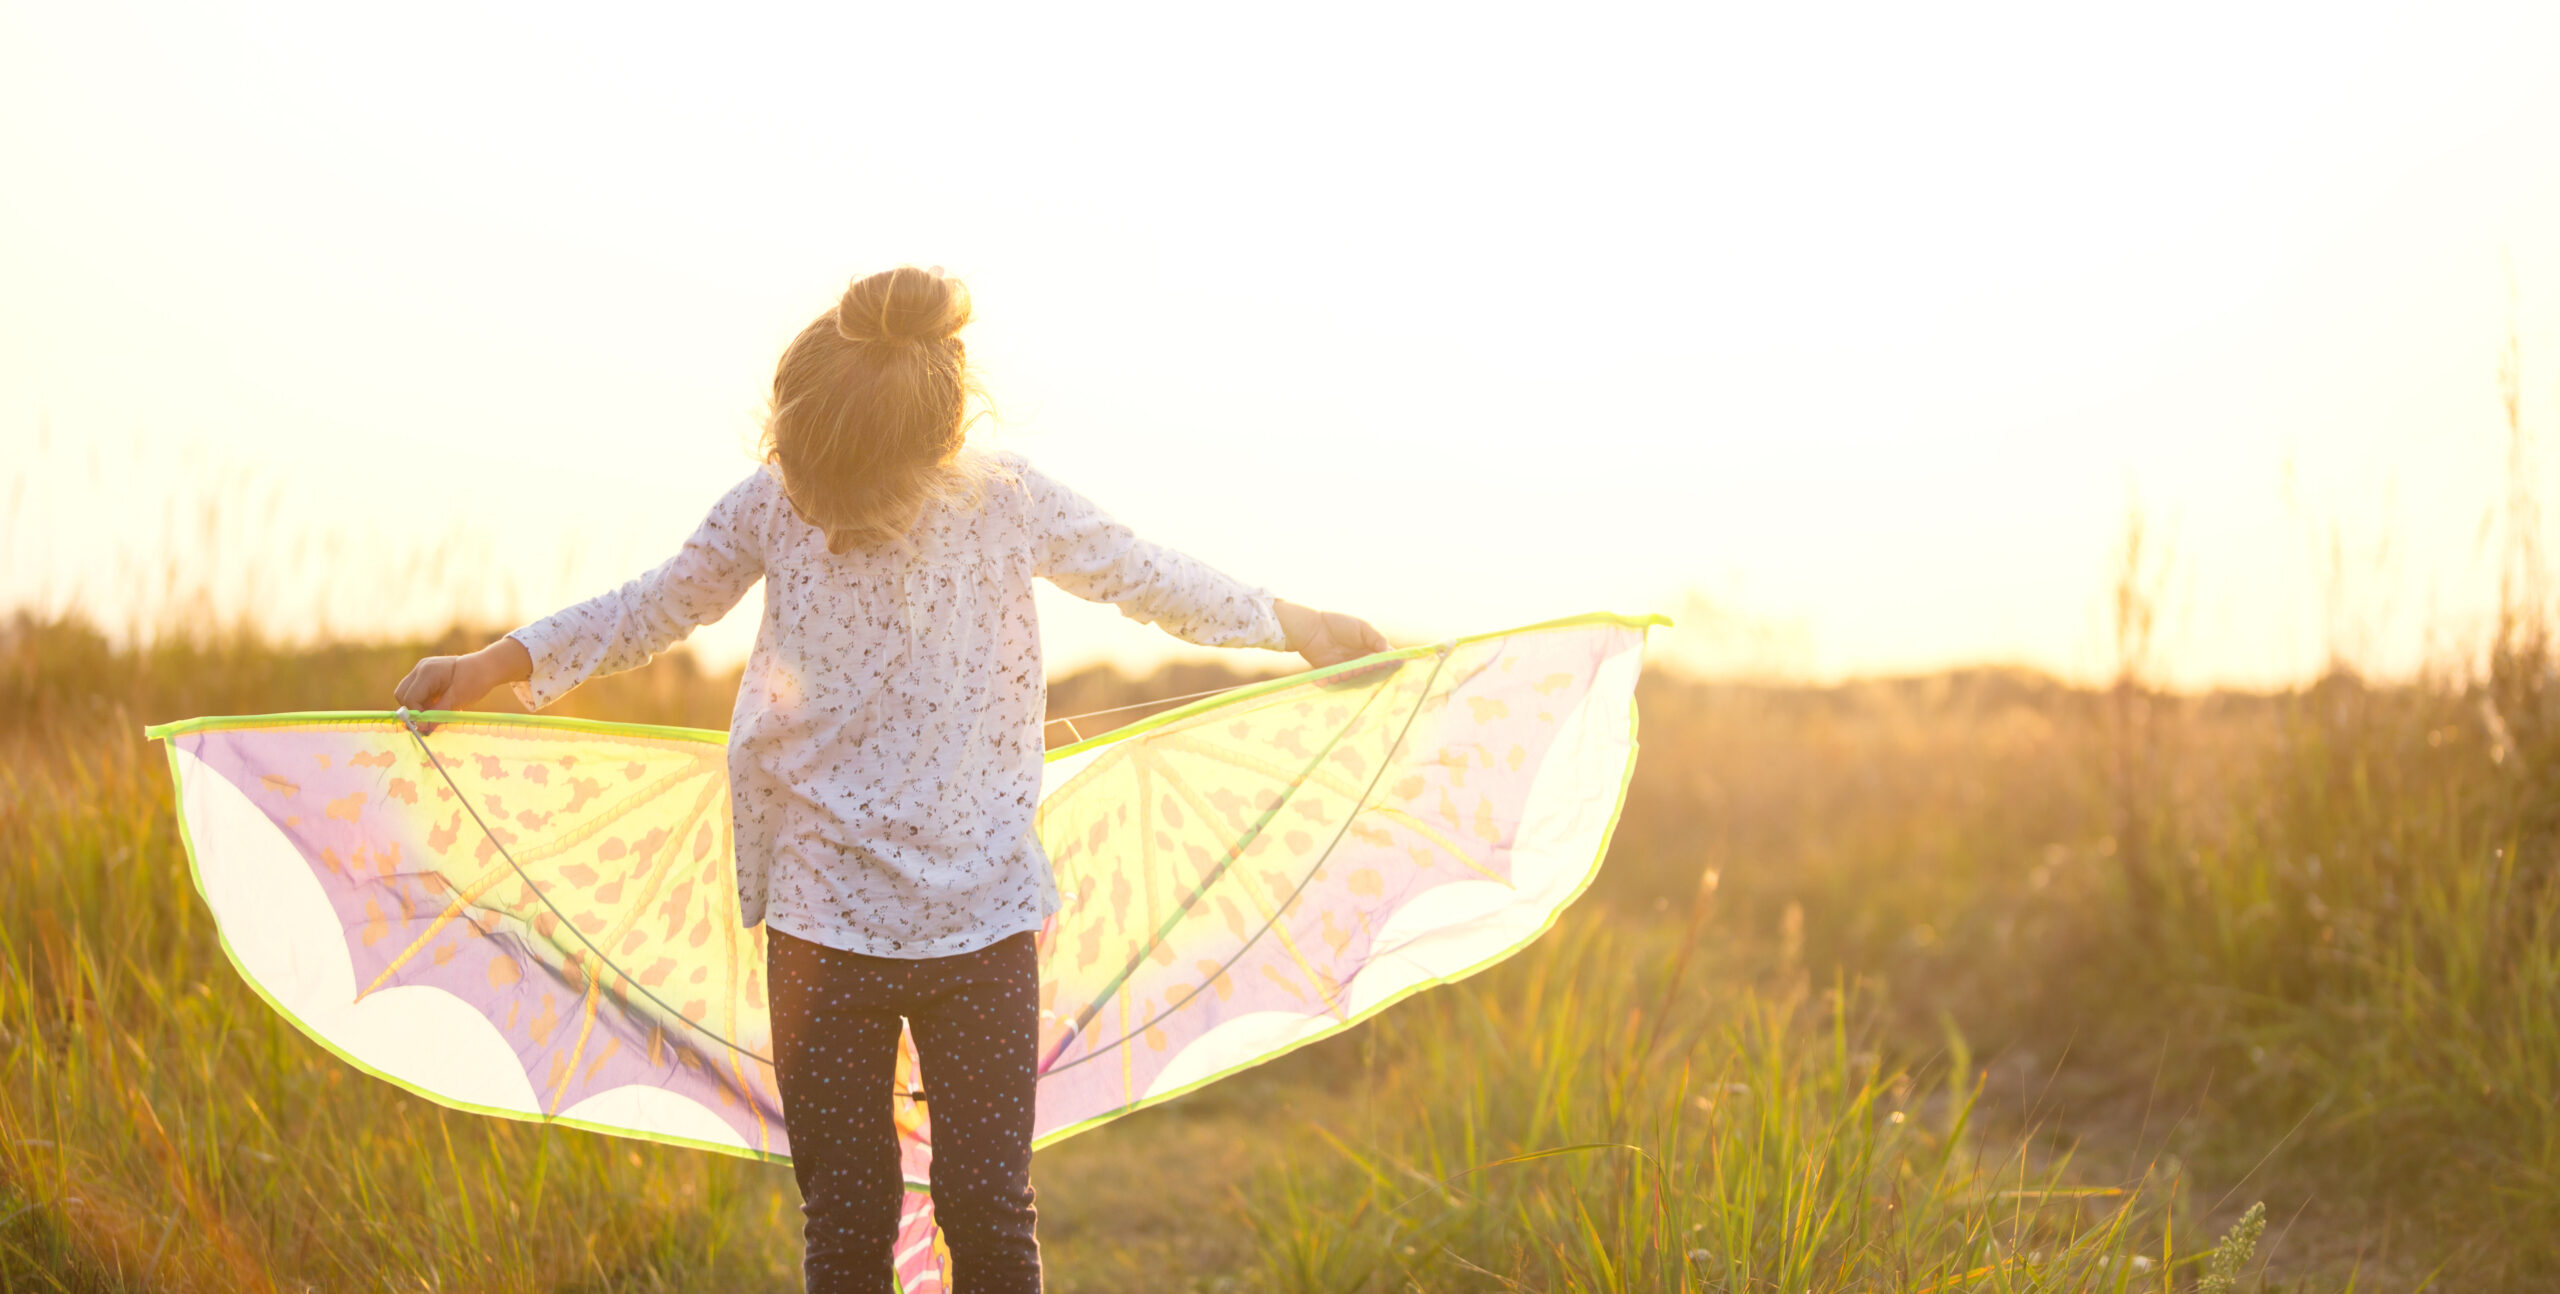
(1865, 326)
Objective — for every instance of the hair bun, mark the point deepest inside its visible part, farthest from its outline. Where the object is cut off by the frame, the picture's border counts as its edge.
(903, 305)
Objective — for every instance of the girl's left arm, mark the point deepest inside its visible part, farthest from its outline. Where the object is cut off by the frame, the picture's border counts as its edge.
(614, 631)
(1082, 549)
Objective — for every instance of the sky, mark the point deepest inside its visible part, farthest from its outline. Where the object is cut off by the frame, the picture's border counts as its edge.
(1851, 336)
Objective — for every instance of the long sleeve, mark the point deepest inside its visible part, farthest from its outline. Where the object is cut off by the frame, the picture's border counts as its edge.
(624, 628)
(1080, 548)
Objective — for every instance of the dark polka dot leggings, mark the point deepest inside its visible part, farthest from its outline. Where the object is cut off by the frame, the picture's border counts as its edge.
(976, 1019)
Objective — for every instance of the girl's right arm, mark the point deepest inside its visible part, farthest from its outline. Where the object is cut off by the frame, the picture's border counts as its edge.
(618, 630)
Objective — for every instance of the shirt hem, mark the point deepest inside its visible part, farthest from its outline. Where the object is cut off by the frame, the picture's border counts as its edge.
(950, 945)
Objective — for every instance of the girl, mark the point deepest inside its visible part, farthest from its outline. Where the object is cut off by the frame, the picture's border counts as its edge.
(885, 752)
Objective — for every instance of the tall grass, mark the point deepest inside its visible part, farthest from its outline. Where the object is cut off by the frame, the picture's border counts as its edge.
(1642, 1129)
(2346, 981)
(2343, 991)
(2372, 942)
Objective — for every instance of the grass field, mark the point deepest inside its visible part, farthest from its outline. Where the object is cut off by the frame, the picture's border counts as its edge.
(1975, 981)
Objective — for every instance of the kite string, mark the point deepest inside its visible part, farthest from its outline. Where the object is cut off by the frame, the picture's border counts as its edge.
(1070, 719)
(602, 961)
(1443, 647)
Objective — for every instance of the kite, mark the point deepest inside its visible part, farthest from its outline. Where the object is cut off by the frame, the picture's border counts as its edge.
(534, 917)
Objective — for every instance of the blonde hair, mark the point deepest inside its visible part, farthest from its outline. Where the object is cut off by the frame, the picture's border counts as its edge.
(869, 408)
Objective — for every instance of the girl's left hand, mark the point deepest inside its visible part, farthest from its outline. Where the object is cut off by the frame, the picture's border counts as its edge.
(1327, 637)
(452, 682)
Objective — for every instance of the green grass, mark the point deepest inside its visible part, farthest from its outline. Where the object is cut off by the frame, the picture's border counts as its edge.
(2120, 969)
(1555, 1129)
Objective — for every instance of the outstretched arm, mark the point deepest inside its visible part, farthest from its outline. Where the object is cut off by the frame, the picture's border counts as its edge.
(618, 630)
(1087, 552)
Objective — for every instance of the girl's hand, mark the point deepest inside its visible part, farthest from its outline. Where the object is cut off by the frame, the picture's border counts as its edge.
(1327, 637)
(453, 682)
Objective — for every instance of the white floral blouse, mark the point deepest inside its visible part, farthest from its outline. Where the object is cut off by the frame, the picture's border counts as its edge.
(885, 752)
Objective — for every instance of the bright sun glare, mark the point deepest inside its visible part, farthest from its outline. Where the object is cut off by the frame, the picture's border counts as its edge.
(1865, 326)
